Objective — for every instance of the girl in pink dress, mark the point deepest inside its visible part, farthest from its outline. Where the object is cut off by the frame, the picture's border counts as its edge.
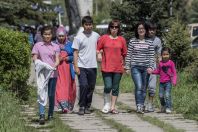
(65, 87)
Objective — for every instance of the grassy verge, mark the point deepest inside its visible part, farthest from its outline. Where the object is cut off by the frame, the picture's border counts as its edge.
(10, 118)
(119, 127)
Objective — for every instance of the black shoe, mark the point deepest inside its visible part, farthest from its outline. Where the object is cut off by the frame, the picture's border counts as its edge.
(81, 111)
(42, 119)
(50, 118)
(87, 111)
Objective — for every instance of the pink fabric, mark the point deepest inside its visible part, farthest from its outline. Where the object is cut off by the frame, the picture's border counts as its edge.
(65, 87)
(47, 53)
(61, 30)
(114, 52)
(167, 72)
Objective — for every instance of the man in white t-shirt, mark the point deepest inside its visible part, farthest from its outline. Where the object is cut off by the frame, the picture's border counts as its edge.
(85, 63)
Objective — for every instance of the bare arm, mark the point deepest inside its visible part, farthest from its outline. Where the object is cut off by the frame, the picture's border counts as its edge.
(57, 61)
(77, 70)
(34, 57)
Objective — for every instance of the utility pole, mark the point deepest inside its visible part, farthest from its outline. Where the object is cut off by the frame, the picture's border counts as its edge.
(96, 8)
(171, 8)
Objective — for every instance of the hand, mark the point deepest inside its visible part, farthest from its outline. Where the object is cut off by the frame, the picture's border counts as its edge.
(99, 57)
(149, 70)
(61, 58)
(77, 70)
(66, 58)
(127, 71)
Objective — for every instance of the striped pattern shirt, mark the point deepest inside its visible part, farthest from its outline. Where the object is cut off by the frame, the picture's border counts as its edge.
(140, 53)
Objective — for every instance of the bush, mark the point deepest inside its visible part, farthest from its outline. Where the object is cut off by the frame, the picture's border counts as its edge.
(192, 69)
(185, 96)
(179, 41)
(14, 62)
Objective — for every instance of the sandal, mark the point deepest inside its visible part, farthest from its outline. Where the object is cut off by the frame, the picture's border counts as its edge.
(114, 111)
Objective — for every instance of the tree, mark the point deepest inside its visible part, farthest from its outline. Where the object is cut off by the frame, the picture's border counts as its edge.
(25, 12)
(179, 42)
(73, 15)
(193, 12)
(132, 11)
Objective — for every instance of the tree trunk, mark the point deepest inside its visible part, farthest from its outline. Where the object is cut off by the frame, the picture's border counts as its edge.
(73, 15)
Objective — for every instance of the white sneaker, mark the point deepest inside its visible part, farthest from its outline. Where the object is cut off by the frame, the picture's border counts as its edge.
(150, 107)
(140, 109)
(168, 111)
(106, 108)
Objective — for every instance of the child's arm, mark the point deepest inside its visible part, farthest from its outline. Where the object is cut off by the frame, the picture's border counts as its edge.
(174, 75)
(156, 71)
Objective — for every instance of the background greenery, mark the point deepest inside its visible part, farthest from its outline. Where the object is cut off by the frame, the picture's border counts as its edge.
(11, 119)
(14, 62)
(22, 12)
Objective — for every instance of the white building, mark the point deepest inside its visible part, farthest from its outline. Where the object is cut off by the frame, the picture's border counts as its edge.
(47, 1)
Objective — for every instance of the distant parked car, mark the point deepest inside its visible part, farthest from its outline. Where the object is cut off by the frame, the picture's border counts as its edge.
(195, 43)
(193, 31)
(102, 28)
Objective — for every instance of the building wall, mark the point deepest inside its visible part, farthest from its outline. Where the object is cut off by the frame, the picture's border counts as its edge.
(47, 1)
(85, 7)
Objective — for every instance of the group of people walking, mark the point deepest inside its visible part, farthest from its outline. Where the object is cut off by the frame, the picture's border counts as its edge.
(63, 59)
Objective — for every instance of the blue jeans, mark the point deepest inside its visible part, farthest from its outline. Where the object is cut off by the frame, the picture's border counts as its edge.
(165, 94)
(51, 95)
(111, 82)
(140, 79)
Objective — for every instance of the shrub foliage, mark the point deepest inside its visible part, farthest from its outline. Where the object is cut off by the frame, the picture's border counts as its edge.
(179, 42)
(14, 62)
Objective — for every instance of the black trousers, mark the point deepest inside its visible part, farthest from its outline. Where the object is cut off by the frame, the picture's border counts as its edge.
(87, 82)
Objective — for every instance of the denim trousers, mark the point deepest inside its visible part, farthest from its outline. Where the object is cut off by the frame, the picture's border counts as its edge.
(165, 94)
(51, 96)
(111, 82)
(87, 82)
(140, 79)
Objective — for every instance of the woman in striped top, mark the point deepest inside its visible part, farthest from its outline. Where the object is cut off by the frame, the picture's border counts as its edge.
(140, 57)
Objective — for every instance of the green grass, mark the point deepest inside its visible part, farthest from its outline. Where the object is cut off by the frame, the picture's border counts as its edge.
(10, 117)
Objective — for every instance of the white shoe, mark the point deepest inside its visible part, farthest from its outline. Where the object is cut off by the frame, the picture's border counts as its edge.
(168, 111)
(140, 109)
(106, 108)
(150, 107)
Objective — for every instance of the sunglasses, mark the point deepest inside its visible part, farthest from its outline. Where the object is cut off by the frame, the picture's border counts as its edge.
(114, 27)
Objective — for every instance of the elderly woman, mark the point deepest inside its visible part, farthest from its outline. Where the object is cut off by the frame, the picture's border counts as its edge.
(65, 87)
